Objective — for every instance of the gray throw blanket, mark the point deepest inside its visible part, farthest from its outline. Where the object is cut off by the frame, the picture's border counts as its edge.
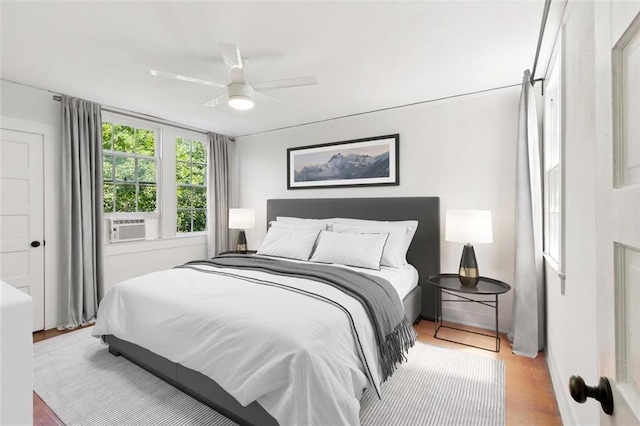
(394, 333)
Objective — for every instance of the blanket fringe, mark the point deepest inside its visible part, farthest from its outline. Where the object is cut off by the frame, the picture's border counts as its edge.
(396, 344)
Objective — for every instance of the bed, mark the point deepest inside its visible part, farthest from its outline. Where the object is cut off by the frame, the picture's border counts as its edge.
(423, 254)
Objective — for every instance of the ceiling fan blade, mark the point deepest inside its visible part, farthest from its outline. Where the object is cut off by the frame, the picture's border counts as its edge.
(263, 97)
(286, 82)
(231, 55)
(186, 78)
(233, 61)
(216, 101)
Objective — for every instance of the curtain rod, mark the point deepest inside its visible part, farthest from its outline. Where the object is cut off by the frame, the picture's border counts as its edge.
(151, 118)
(543, 24)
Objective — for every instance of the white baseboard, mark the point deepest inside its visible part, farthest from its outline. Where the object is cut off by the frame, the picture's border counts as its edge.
(559, 389)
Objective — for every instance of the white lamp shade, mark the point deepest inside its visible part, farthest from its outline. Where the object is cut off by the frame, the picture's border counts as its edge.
(469, 226)
(241, 218)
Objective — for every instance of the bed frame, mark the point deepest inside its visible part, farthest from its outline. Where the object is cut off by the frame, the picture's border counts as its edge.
(424, 254)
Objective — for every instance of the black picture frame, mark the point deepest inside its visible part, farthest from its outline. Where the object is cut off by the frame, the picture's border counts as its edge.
(373, 161)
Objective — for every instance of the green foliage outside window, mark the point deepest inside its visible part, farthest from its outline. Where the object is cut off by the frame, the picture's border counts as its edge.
(191, 190)
(129, 169)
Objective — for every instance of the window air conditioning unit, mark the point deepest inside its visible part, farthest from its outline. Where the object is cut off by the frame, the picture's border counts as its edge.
(123, 230)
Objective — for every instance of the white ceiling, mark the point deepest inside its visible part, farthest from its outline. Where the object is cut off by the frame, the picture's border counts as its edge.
(366, 55)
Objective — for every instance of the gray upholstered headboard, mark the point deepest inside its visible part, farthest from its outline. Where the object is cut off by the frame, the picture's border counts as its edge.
(424, 252)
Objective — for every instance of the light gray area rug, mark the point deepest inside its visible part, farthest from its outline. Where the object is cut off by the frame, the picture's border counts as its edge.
(85, 385)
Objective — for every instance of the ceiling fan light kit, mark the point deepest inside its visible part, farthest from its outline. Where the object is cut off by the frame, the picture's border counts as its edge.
(240, 96)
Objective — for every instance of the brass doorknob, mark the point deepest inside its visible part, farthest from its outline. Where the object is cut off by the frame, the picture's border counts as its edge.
(602, 393)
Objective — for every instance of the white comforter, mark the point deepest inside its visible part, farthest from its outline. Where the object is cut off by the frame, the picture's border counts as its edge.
(294, 354)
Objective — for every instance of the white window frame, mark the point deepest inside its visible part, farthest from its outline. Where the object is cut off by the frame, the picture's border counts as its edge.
(553, 162)
(147, 125)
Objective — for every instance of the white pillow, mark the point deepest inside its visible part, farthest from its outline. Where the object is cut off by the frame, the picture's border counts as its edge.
(345, 248)
(289, 219)
(395, 250)
(299, 225)
(289, 243)
(411, 226)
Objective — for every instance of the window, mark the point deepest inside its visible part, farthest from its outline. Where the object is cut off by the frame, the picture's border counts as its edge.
(553, 186)
(155, 171)
(191, 185)
(129, 169)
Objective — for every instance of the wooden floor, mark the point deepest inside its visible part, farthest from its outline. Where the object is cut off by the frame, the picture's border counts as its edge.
(530, 397)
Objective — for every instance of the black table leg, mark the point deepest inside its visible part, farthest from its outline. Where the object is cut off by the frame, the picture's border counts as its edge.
(497, 334)
(437, 307)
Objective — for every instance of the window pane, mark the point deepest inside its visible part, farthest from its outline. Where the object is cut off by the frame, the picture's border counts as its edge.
(183, 173)
(554, 190)
(184, 197)
(125, 198)
(124, 138)
(198, 154)
(107, 132)
(191, 167)
(107, 195)
(125, 168)
(184, 221)
(197, 174)
(146, 171)
(182, 149)
(107, 168)
(202, 170)
(554, 236)
(199, 221)
(147, 198)
(199, 198)
(145, 142)
(136, 178)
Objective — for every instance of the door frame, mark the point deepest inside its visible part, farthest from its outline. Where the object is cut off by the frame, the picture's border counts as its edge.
(51, 188)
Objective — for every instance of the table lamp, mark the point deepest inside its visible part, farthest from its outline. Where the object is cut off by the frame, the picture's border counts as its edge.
(241, 219)
(468, 227)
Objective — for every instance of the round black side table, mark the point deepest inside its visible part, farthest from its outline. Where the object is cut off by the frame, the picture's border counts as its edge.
(450, 284)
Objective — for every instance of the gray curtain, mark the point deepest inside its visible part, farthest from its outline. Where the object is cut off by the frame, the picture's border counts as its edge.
(81, 224)
(218, 194)
(528, 305)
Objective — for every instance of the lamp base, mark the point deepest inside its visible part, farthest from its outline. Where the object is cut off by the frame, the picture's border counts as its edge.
(468, 272)
(241, 245)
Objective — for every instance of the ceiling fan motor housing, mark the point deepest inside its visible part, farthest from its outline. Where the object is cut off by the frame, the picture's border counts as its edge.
(240, 92)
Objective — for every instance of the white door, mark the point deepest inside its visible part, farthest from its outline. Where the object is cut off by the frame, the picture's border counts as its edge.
(22, 216)
(617, 103)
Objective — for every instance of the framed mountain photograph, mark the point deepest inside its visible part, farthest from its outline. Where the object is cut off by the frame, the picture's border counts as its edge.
(368, 161)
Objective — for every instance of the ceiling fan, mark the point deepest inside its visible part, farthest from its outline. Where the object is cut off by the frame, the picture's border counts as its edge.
(240, 94)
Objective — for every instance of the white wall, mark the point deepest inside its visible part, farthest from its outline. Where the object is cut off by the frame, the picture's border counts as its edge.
(460, 149)
(128, 260)
(121, 262)
(571, 318)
